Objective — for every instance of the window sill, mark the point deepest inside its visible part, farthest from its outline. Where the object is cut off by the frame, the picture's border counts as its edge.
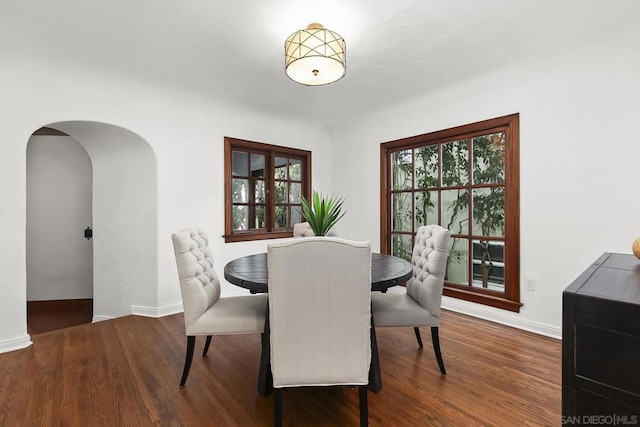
(486, 299)
(246, 237)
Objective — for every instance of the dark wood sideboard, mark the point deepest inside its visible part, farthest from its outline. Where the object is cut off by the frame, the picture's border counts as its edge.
(601, 341)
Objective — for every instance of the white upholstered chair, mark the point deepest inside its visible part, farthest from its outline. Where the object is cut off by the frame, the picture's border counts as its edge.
(302, 229)
(420, 304)
(320, 315)
(205, 313)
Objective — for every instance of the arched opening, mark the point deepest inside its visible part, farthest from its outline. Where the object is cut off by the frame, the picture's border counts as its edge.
(123, 217)
(59, 259)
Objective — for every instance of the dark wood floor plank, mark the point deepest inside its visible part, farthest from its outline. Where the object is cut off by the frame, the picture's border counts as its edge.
(45, 316)
(126, 372)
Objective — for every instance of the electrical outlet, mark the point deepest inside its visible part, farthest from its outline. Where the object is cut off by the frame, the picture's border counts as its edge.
(530, 285)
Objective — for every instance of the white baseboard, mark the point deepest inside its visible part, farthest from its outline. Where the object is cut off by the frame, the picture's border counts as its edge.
(97, 318)
(497, 316)
(15, 344)
(167, 310)
(452, 304)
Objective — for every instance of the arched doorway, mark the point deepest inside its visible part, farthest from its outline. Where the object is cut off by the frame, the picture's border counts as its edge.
(124, 216)
(59, 258)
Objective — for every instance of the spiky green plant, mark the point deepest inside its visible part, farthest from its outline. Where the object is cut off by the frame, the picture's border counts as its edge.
(322, 213)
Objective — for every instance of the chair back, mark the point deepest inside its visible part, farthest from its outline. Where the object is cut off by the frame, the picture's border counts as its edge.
(430, 253)
(303, 229)
(199, 284)
(320, 311)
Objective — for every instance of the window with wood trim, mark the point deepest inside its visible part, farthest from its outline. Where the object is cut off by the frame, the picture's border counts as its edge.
(467, 180)
(264, 185)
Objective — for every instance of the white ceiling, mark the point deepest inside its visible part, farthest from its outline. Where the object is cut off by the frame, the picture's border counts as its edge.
(232, 50)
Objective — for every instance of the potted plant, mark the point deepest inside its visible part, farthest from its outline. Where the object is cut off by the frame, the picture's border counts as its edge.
(321, 212)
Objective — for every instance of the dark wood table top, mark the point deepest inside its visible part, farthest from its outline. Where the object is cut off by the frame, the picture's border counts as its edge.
(250, 272)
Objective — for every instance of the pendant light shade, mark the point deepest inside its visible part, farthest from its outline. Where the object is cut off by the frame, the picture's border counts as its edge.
(315, 56)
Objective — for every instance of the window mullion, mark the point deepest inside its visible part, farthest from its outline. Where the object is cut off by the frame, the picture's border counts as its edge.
(270, 190)
(413, 198)
(470, 206)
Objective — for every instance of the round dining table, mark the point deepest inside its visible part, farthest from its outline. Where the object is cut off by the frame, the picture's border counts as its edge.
(250, 272)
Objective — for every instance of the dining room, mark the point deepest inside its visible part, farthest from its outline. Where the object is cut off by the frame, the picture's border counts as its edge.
(509, 124)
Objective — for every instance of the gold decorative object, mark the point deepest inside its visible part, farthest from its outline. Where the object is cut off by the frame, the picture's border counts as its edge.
(636, 247)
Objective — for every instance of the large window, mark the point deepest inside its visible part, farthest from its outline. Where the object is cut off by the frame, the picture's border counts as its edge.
(264, 185)
(467, 180)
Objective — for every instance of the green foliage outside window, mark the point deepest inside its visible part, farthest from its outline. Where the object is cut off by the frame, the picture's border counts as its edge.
(458, 184)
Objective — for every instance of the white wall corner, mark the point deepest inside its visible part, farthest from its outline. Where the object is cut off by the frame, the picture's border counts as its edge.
(496, 316)
(15, 344)
(167, 310)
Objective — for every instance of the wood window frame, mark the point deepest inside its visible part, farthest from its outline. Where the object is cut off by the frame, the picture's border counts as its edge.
(271, 152)
(510, 298)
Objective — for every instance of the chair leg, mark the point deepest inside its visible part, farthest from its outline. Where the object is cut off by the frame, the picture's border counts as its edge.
(265, 376)
(364, 406)
(375, 377)
(206, 346)
(277, 407)
(435, 337)
(191, 344)
(418, 337)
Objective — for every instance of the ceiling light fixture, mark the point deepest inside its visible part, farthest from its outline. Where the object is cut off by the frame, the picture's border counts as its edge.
(315, 56)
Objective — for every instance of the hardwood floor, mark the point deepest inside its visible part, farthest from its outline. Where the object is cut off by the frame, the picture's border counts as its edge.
(45, 316)
(125, 372)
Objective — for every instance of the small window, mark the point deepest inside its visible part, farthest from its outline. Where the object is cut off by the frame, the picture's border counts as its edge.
(264, 186)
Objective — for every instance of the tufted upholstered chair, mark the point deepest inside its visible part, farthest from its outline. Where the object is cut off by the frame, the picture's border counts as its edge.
(302, 229)
(205, 313)
(420, 304)
(320, 315)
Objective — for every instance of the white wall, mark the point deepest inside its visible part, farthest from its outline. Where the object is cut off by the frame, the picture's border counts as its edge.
(186, 137)
(59, 181)
(578, 164)
(124, 217)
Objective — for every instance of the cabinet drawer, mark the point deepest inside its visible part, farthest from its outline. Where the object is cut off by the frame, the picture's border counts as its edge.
(608, 314)
(588, 403)
(608, 357)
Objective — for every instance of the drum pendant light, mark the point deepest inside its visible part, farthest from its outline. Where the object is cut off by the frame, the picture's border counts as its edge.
(315, 56)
